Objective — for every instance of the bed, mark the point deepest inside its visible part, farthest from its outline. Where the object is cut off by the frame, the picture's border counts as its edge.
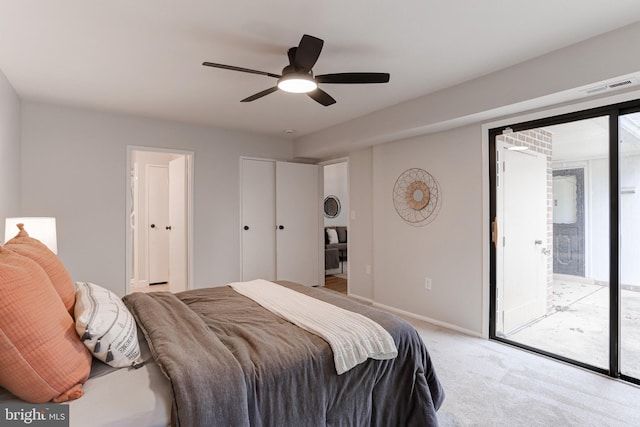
(219, 358)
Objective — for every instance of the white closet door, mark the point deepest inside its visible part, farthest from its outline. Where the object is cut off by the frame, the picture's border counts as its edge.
(298, 218)
(178, 248)
(258, 219)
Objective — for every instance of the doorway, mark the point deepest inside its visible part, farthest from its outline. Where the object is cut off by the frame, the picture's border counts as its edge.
(159, 206)
(336, 224)
(568, 221)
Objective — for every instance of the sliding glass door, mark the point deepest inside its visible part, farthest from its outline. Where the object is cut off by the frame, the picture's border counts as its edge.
(565, 210)
(629, 170)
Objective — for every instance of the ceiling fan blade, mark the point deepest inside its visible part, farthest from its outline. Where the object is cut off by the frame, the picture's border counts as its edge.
(321, 97)
(260, 94)
(307, 52)
(244, 70)
(353, 78)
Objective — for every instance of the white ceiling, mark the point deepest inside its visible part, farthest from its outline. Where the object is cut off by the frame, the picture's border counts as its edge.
(589, 138)
(144, 57)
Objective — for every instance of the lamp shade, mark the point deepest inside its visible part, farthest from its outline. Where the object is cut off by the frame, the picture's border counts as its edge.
(41, 228)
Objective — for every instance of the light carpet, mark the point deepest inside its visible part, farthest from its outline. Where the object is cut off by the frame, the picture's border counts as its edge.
(488, 383)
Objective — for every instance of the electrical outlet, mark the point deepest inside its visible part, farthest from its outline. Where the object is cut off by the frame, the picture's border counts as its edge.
(427, 283)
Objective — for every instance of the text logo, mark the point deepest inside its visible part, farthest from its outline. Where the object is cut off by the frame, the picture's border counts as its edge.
(26, 414)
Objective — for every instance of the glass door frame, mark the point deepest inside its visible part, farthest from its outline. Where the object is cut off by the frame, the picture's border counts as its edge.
(613, 112)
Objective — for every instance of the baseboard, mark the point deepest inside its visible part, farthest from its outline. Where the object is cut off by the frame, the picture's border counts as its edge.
(359, 298)
(428, 320)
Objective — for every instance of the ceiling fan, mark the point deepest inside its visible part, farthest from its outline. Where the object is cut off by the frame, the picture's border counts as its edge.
(297, 77)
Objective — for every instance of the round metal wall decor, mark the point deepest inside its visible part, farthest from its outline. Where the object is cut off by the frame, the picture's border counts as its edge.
(331, 206)
(416, 197)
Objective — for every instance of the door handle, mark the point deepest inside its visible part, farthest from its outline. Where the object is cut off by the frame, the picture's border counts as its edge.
(246, 227)
(495, 232)
(281, 227)
(168, 227)
(153, 226)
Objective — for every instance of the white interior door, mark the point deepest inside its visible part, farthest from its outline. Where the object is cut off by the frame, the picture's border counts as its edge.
(298, 200)
(158, 220)
(134, 221)
(258, 219)
(523, 239)
(178, 249)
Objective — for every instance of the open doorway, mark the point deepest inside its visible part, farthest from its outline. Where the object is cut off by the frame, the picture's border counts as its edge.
(568, 221)
(336, 225)
(159, 197)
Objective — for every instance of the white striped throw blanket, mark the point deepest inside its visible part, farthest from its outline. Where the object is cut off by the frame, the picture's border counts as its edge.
(353, 337)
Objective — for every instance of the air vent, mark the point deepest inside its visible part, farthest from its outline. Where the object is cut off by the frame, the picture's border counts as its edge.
(611, 86)
(624, 83)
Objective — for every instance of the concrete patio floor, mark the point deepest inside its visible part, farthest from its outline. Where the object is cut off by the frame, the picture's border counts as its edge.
(579, 326)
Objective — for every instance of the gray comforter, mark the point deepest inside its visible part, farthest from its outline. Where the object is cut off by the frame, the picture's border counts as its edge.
(233, 363)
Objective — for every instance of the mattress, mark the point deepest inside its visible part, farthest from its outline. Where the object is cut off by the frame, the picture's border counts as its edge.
(126, 397)
(119, 397)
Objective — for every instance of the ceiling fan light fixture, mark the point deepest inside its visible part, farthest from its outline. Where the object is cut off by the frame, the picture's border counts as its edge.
(297, 83)
(298, 75)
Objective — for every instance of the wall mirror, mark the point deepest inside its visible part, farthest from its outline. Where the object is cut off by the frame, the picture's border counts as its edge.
(331, 207)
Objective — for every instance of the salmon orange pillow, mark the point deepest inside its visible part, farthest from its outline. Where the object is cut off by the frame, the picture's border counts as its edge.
(41, 254)
(41, 356)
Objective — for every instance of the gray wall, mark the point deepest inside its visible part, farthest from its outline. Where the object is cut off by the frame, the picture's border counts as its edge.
(361, 237)
(448, 250)
(10, 199)
(74, 167)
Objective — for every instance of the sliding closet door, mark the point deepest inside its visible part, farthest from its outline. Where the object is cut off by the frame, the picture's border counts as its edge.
(258, 219)
(298, 205)
(281, 225)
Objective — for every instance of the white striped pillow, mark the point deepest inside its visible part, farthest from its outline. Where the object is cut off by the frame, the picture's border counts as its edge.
(106, 326)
